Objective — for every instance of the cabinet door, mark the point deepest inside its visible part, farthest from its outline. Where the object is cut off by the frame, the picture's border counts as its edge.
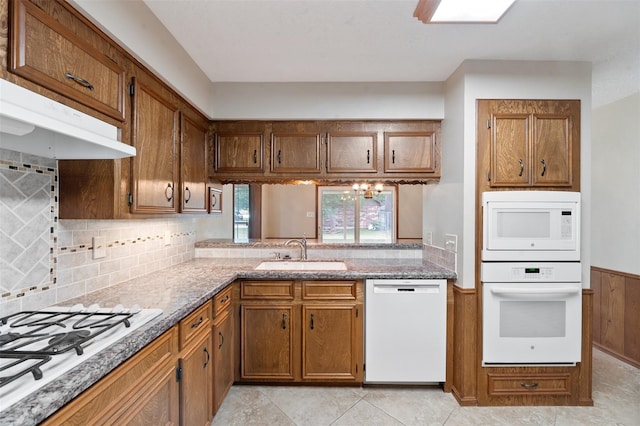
(223, 359)
(551, 153)
(409, 152)
(193, 157)
(330, 342)
(154, 134)
(352, 152)
(510, 150)
(267, 342)
(295, 152)
(196, 382)
(158, 404)
(48, 53)
(239, 152)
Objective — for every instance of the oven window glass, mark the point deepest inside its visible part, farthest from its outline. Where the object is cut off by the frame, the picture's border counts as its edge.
(514, 224)
(533, 318)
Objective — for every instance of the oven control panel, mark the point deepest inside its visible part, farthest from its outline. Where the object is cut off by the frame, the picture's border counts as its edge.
(503, 272)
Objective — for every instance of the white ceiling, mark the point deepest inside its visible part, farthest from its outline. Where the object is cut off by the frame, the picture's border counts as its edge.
(380, 40)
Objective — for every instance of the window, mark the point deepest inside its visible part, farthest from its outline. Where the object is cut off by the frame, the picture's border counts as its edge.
(339, 206)
(240, 213)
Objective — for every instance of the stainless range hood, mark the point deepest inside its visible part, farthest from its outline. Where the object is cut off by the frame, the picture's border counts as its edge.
(34, 124)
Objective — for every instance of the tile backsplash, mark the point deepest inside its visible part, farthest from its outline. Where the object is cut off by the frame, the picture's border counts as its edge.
(44, 260)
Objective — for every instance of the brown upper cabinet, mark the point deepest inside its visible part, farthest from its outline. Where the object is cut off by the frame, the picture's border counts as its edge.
(327, 151)
(193, 170)
(154, 170)
(409, 152)
(533, 143)
(295, 148)
(86, 69)
(352, 152)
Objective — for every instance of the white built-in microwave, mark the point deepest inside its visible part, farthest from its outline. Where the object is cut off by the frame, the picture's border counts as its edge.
(531, 226)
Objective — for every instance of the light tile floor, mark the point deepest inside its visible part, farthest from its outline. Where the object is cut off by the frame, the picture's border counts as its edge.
(616, 395)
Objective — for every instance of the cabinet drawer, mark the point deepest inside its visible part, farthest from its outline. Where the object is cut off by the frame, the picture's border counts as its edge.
(323, 290)
(47, 53)
(196, 321)
(221, 301)
(538, 384)
(281, 290)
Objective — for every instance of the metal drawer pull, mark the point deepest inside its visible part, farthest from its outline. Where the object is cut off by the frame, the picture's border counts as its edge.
(312, 321)
(279, 156)
(168, 192)
(544, 167)
(224, 299)
(284, 321)
(208, 358)
(529, 385)
(368, 152)
(521, 167)
(187, 192)
(220, 339)
(79, 80)
(196, 324)
(393, 156)
(255, 156)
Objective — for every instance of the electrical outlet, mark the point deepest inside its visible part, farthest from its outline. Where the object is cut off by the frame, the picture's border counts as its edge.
(311, 214)
(167, 238)
(429, 238)
(99, 247)
(451, 242)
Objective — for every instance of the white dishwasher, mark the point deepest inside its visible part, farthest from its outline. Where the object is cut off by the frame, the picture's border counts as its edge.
(405, 331)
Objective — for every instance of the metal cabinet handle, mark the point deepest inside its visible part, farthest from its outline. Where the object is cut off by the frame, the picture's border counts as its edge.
(393, 156)
(255, 156)
(208, 358)
(79, 80)
(279, 156)
(196, 324)
(220, 340)
(529, 385)
(521, 167)
(187, 192)
(214, 200)
(312, 321)
(224, 300)
(544, 167)
(284, 321)
(368, 155)
(168, 192)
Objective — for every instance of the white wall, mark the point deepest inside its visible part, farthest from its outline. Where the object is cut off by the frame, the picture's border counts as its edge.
(616, 185)
(286, 210)
(419, 100)
(499, 80)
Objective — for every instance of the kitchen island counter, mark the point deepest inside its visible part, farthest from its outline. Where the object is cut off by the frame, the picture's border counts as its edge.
(177, 291)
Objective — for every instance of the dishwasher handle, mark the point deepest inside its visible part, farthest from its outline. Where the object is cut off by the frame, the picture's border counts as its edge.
(412, 289)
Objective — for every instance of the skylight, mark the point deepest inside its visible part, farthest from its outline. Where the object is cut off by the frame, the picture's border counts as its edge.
(461, 10)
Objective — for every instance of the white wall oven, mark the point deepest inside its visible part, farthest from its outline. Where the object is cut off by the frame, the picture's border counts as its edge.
(532, 313)
(531, 278)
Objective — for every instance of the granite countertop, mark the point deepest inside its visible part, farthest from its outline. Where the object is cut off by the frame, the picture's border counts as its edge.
(178, 290)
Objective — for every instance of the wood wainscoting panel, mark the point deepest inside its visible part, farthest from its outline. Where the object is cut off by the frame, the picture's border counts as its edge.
(616, 313)
(465, 344)
(586, 365)
(632, 320)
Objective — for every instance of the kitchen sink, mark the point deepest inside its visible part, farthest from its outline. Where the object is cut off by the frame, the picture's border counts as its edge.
(302, 265)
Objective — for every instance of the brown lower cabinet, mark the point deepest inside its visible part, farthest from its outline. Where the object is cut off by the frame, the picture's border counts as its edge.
(301, 331)
(142, 391)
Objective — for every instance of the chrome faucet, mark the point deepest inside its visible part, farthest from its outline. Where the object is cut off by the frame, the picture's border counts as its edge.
(303, 246)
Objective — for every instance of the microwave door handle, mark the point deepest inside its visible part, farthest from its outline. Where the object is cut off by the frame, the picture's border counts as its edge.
(529, 290)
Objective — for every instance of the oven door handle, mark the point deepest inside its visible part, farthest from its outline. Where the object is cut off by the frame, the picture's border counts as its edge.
(529, 290)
